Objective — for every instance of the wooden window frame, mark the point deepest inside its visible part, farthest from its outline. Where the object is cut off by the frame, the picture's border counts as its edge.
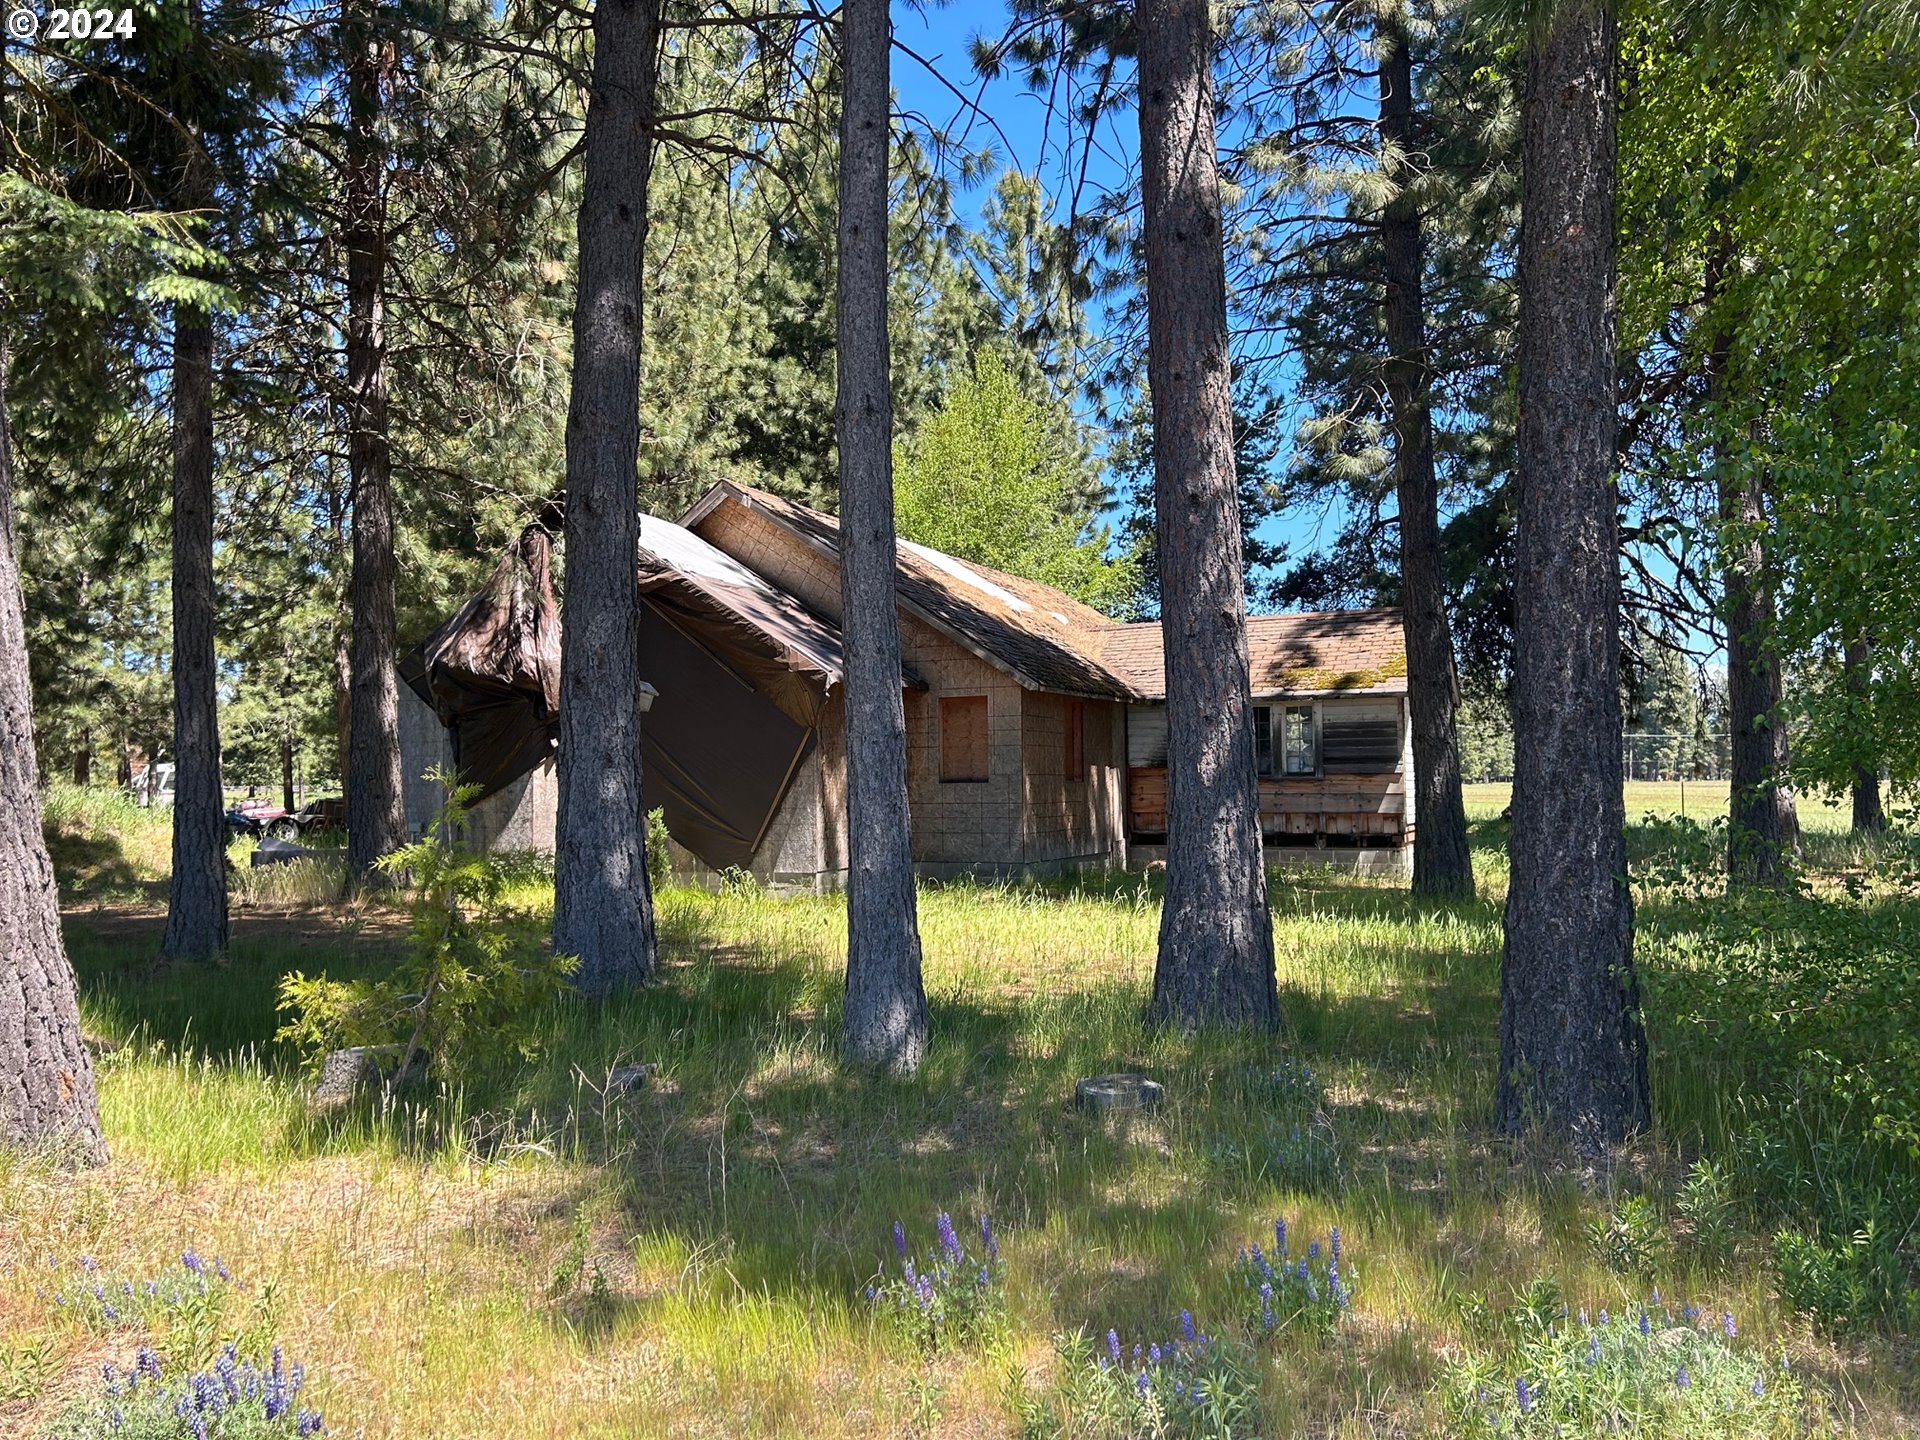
(952, 772)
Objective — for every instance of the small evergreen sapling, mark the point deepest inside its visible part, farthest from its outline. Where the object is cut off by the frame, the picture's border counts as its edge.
(474, 982)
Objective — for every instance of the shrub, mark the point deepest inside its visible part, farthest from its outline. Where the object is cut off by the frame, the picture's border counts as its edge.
(951, 1296)
(1811, 1002)
(476, 979)
(1193, 1387)
(1650, 1372)
(1631, 1239)
(231, 1399)
(659, 862)
(1285, 1291)
(1710, 1211)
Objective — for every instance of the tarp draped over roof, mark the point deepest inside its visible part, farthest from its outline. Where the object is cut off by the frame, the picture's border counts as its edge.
(491, 672)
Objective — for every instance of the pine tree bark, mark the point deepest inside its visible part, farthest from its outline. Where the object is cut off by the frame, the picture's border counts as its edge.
(197, 891)
(1573, 1053)
(83, 759)
(1442, 861)
(1216, 938)
(1869, 816)
(47, 1098)
(1763, 838)
(884, 1024)
(376, 818)
(603, 910)
(286, 767)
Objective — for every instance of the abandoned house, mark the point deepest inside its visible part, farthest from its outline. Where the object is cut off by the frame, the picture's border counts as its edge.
(1036, 726)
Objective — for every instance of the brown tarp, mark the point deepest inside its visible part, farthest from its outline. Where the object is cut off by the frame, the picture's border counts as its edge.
(492, 671)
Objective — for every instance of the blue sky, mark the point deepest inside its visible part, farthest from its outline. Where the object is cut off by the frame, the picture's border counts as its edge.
(1016, 125)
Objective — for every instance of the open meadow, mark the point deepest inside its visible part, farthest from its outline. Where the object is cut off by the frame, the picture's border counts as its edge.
(530, 1252)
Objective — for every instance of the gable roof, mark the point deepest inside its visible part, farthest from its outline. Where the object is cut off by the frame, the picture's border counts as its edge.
(1042, 637)
(1319, 652)
(1047, 640)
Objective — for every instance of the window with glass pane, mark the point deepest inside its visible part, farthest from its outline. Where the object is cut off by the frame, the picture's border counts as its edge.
(1299, 740)
(1262, 740)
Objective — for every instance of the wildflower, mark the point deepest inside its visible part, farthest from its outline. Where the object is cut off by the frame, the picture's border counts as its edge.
(1113, 1345)
(220, 1269)
(146, 1362)
(87, 1264)
(871, 1292)
(1280, 1237)
(1656, 1295)
(1336, 1244)
(1646, 1323)
(1301, 1272)
(1583, 1315)
(1691, 1312)
(195, 1265)
(1593, 1351)
(1136, 1354)
(1140, 1381)
(1186, 1325)
(949, 1242)
(1313, 1249)
(1524, 1394)
(985, 1277)
(1683, 1379)
(900, 1239)
(986, 1238)
(308, 1423)
(1726, 1324)
(1759, 1386)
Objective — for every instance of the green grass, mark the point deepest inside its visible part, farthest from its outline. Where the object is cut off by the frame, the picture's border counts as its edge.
(525, 1257)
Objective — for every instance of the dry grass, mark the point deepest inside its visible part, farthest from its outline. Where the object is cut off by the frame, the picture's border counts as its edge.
(527, 1258)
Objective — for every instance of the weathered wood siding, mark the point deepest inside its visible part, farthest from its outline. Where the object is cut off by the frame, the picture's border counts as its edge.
(1069, 819)
(1343, 801)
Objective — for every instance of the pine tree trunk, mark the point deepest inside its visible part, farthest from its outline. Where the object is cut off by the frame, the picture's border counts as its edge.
(343, 703)
(376, 820)
(885, 1021)
(197, 891)
(1573, 1054)
(83, 759)
(46, 1076)
(1869, 817)
(1763, 837)
(1442, 861)
(1216, 937)
(602, 910)
(286, 767)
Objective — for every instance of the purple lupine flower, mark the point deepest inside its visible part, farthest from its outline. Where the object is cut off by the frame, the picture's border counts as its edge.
(986, 1238)
(308, 1423)
(146, 1362)
(1646, 1323)
(1301, 1272)
(1186, 1325)
(1113, 1346)
(985, 1277)
(949, 1242)
(1605, 1318)
(87, 1264)
(1524, 1394)
(220, 1269)
(1583, 1316)
(1726, 1324)
(1691, 1311)
(195, 1265)
(1153, 1354)
(1313, 1249)
(1759, 1386)
(1656, 1295)
(1280, 1237)
(1683, 1379)
(900, 1239)
(1336, 1244)
(1140, 1382)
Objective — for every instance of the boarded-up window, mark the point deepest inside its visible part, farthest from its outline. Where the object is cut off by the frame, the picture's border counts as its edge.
(1263, 739)
(1360, 739)
(1075, 738)
(963, 737)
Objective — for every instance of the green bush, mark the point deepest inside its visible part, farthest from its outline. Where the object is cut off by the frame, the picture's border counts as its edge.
(1535, 1371)
(659, 862)
(476, 979)
(1807, 1003)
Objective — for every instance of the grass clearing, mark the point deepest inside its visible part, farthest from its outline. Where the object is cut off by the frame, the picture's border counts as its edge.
(529, 1255)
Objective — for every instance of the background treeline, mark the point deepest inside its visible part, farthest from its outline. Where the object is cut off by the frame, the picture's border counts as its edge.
(1768, 488)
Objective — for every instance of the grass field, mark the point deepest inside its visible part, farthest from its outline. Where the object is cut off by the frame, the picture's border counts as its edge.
(1702, 800)
(531, 1256)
